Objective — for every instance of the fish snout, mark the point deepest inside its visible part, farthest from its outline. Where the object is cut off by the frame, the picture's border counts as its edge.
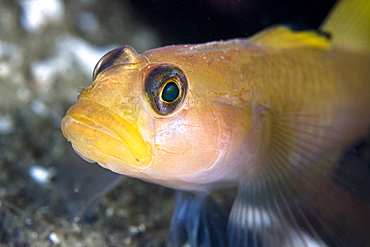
(101, 135)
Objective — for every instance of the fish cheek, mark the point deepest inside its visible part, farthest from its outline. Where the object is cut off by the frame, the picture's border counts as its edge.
(238, 137)
(186, 143)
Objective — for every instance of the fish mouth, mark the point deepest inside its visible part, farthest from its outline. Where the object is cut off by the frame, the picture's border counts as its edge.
(99, 134)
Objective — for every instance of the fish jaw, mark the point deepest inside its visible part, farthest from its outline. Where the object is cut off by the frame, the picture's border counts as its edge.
(99, 134)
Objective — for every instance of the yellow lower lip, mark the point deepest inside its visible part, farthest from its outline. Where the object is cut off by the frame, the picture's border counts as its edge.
(99, 134)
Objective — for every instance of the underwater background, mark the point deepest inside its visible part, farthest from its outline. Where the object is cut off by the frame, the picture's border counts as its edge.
(48, 48)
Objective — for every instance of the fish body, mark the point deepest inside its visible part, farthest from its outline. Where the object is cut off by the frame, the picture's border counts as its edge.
(273, 114)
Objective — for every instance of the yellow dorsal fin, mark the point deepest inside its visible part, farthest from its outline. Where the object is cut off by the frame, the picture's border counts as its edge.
(281, 37)
(349, 24)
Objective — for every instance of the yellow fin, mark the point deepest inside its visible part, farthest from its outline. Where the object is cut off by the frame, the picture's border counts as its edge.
(349, 24)
(281, 37)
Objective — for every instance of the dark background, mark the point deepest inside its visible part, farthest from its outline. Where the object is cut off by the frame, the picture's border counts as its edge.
(193, 21)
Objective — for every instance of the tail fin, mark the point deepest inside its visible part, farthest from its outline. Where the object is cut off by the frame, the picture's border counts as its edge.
(349, 24)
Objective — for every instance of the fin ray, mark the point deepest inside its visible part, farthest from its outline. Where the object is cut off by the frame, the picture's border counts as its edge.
(281, 37)
(197, 220)
(349, 24)
(295, 200)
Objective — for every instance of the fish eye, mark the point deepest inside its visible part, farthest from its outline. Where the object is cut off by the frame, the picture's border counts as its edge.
(106, 61)
(121, 55)
(166, 88)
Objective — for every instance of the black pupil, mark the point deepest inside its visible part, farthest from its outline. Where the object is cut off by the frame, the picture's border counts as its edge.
(170, 92)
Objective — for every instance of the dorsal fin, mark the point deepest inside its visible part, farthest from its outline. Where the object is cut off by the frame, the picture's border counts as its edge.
(281, 37)
(349, 24)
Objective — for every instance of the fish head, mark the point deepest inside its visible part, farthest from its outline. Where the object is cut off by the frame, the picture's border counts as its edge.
(141, 118)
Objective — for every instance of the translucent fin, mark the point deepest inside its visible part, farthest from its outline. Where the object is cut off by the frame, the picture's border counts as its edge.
(349, 24)
(281, 37)
(302, 195)
(82, 185)
(259, 222)
(353, 171)
(198, 221)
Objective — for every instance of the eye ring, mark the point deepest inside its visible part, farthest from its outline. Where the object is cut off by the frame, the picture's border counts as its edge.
(166, 87)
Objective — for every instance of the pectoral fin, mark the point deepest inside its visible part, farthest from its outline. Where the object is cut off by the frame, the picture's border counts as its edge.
(308, 192)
